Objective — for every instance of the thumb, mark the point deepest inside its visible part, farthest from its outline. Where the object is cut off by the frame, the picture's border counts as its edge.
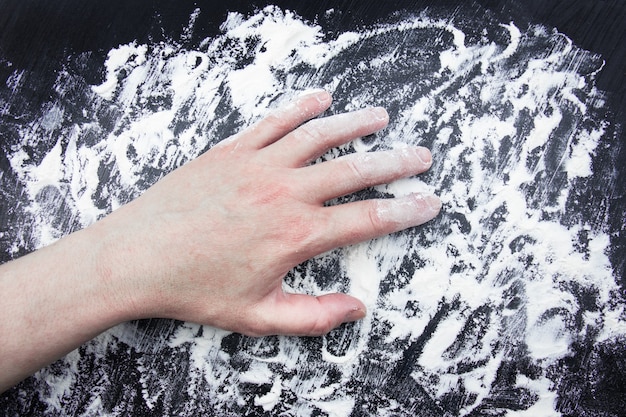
(307, 315)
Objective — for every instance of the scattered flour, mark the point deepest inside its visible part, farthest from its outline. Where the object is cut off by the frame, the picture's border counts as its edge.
(509, 116)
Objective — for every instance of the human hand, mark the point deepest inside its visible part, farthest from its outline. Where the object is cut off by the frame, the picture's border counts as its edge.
(212, 241)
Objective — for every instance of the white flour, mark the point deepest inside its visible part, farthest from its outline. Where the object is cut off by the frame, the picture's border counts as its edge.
(509, 116)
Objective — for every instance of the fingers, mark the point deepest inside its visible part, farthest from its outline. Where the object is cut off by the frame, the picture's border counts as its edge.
(285, 119)
(306, 315)
(361, 170)
(363, 220)
(315, 137)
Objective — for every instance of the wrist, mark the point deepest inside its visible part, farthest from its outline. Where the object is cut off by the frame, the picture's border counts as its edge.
(95, 290)
(129, 260)
(109, 260)
(56, 299)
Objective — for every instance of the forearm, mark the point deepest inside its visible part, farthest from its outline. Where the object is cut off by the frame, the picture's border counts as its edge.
(53, 300)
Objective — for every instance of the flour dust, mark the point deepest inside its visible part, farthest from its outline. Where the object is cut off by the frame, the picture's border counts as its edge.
(507, 275)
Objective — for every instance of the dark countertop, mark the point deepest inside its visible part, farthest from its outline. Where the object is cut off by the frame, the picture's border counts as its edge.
(138, 369)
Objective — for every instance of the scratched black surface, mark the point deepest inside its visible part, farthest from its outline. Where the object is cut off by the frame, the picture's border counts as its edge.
(37, 36)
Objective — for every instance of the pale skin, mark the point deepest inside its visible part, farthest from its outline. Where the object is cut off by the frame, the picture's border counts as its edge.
(211, 242)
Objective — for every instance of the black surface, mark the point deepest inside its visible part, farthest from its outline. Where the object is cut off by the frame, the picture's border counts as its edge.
(38, 36)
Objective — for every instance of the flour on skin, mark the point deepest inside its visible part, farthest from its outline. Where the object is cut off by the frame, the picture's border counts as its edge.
(505, 274)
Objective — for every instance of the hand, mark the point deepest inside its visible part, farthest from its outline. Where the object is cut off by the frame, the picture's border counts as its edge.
(212, 241)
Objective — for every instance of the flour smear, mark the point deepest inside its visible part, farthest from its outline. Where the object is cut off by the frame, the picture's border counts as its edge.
(506, 275)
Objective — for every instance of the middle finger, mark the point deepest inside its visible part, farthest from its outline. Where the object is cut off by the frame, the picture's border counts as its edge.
(360, 170)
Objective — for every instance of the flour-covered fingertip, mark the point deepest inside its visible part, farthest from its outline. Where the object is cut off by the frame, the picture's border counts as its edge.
(355, 314)
(408, 211)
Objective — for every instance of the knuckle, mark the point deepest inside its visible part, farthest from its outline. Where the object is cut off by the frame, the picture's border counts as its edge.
(369, 226)
(270, 194)
(301, 232)
(310, 132)
(321, 326)
(376, 219)
(279, 122)
(357, 168)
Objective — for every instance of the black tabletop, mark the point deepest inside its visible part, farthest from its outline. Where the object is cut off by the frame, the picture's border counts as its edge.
(509, 303)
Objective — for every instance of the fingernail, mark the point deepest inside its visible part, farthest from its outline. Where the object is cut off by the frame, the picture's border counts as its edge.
(323, 96)
(380, 113)
(310, 91)
(409, 211)
(356, 313)
(434, 203)
(424, 155)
